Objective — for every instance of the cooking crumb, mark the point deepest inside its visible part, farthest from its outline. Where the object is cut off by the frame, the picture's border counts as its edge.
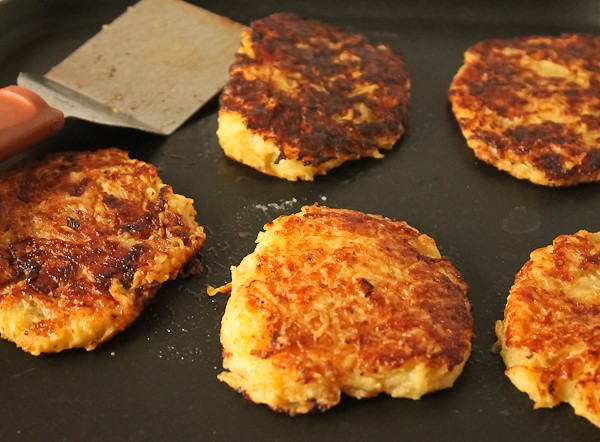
(212, 291)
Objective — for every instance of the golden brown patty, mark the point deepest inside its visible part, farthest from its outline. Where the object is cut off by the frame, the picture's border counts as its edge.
(531, 106)
(335, 301)
(550, 336)
(304, 97)
(86, 239)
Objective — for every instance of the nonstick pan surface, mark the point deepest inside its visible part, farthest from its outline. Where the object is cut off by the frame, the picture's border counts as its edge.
(157, 379)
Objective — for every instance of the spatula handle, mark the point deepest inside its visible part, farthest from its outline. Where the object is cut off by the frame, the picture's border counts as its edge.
(25, 119)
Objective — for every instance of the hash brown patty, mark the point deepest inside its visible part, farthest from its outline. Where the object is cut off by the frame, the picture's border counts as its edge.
(550, 338)
(335, 300)
(86, 240)
(531, 106)
(304, 97)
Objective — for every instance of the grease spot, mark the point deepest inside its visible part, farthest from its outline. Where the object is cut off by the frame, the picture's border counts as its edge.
(521, 219)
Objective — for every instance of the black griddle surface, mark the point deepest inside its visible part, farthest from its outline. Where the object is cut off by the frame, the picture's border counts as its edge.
(157, 380)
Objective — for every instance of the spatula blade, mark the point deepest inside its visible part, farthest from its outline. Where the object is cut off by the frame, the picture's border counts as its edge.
(156, 64)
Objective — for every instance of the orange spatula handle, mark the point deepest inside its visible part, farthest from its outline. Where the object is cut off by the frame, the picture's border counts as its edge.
(25, 119)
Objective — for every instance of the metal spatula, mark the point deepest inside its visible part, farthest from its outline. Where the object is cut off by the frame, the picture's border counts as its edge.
(150, 69)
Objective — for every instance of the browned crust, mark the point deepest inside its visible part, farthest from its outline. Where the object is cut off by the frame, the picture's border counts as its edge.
(552, 317)
(511, 114)
(326, 64)
(74, 224)
(545, 319)
(437, 306)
